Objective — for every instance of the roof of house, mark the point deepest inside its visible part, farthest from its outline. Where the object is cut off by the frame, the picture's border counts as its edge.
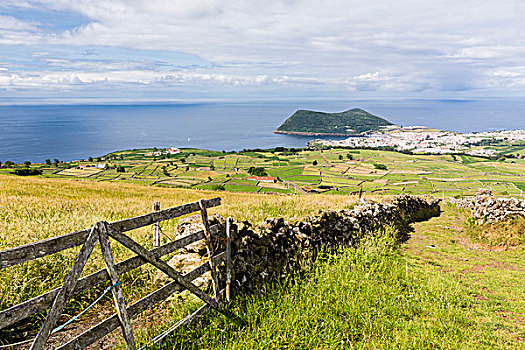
(261, 178)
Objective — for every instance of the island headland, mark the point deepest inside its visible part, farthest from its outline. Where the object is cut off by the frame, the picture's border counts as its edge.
(353, 122)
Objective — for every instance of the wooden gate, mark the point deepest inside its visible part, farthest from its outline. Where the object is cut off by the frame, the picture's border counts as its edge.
(56, 299)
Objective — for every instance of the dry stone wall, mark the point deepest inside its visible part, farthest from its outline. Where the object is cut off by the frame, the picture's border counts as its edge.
(484, 208)
(266, 252)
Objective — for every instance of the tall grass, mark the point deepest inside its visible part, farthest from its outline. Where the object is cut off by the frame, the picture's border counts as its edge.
(32, 209)
(504, 233)
(367, 298)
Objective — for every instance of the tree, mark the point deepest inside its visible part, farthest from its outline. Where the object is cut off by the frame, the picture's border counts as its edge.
(257, 171)
(56, 161)
(350, 156)
(8, 163)
(314, 162)
(380, 166)
(121, 169)
(340, 157)
(0, 163)
(48, 162)
(183, 160)
(98, 159)
(27, 163)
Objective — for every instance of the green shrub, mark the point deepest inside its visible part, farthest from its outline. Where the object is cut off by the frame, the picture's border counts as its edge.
(257, 171)
(27, 171)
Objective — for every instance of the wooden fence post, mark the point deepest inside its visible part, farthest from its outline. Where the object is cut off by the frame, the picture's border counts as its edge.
(156, 227)
(120, 303)
(209, 248)
(228, 259)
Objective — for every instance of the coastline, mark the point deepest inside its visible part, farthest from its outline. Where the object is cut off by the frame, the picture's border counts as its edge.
(300, 133)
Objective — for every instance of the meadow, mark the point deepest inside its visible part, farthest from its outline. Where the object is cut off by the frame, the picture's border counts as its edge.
(458, 284)
(442, 289)
(35, 208)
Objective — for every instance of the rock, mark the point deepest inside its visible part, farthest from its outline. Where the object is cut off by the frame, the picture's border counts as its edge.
(484, 192)
(485, 208)
(183, 263)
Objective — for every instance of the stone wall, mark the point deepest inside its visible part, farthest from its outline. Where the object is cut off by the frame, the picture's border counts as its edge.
(484, 208)
(265, 252)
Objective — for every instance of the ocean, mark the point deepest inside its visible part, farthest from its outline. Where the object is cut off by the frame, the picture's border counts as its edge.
(70, 132)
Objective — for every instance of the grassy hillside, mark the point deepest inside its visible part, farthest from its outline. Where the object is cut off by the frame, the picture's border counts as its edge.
(442, 290)
(35, 208)
(351, 122)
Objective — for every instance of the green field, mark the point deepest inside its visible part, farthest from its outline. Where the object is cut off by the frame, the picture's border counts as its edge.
(346, 171)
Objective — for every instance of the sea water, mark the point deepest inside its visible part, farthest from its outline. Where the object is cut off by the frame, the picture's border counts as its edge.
(70, 132)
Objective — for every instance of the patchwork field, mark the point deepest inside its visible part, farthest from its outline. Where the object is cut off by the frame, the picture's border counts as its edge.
(305, 171)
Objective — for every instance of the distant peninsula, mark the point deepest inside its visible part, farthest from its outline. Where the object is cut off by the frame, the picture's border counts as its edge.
(355, 121)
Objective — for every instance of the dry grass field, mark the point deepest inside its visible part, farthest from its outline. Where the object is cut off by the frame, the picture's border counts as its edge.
(34, 208)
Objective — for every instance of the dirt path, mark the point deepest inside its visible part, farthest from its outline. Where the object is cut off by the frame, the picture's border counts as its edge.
(491, 276)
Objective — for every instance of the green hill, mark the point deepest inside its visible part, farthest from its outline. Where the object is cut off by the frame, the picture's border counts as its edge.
(351, 122)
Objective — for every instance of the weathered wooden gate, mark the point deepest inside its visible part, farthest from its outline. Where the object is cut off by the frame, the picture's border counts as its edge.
(56, 299)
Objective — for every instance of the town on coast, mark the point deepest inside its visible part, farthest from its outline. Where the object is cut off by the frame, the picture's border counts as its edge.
(420, 139)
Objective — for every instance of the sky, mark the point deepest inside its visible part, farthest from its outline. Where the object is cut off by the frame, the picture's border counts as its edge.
(178, 50)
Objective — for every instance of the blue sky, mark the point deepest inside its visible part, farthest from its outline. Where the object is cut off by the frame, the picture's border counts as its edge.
(171, 50)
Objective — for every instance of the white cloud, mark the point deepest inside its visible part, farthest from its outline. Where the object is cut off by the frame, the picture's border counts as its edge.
(337, 45)
(12, 23)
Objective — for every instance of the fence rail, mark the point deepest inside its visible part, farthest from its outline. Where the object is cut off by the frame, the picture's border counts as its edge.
(108, 325)
(56, 299)
(13, 256)
(42, 302)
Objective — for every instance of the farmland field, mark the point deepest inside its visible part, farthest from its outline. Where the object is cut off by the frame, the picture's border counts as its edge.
(335, 170)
